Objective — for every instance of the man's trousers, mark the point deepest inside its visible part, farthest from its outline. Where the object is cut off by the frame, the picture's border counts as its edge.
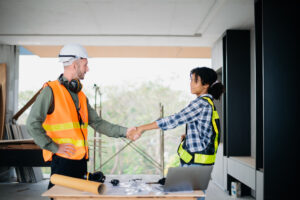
(67, 167)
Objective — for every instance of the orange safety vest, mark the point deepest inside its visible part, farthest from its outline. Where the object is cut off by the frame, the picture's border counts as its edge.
(63, 125)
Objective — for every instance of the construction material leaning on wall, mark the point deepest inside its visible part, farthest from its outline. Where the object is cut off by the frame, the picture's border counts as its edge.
(2, 98)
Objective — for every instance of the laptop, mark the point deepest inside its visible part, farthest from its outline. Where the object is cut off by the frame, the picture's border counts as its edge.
(187, 178)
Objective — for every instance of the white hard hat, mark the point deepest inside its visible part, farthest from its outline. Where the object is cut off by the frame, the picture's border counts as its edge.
(71, 52)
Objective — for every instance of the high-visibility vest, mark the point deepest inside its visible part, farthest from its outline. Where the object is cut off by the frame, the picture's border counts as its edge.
(65, 124)
(208, 155)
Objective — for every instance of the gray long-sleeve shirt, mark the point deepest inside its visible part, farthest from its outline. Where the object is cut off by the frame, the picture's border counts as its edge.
(39, 112)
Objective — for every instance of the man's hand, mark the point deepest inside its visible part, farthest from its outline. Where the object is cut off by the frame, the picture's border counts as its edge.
(67, 149)
(133, 134)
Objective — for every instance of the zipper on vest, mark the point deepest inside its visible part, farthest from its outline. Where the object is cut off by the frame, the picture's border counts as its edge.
(80, 122)
(79, 119)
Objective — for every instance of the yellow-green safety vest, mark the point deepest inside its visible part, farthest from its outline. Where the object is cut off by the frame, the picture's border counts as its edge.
(203, 158)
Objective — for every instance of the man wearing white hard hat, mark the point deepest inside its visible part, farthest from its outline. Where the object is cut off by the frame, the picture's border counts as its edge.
(59, 118)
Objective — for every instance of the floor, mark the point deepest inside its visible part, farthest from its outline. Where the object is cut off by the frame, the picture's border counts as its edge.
(33, 191)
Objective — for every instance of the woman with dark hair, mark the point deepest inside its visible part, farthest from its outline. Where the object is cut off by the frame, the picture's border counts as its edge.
(200, 143)
(208, 77)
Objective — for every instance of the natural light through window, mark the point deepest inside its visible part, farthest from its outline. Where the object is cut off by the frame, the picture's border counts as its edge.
(120, 72)
(132, 90)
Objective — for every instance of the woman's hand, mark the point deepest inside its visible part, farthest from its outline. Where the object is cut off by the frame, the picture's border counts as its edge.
(182, 137)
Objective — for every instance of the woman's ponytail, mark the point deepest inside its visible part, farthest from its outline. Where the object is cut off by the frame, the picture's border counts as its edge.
(216, 90)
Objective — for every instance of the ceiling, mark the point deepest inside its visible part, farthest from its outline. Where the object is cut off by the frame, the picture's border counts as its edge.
(169, 23)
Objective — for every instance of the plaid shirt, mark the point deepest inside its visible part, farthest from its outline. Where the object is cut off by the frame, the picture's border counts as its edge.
(197, 115)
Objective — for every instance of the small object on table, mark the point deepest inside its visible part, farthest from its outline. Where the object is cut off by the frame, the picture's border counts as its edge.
(96, 176)
(115, 182)
(160, 181)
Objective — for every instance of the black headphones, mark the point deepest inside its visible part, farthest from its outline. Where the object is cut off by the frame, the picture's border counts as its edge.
(74, 85)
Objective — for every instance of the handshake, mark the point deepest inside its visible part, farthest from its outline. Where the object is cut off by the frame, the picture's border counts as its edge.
(134, 133)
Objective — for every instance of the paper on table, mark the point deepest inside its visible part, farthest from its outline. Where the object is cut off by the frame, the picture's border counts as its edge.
(78, 184)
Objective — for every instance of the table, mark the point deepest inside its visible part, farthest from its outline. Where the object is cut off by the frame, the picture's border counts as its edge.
(21, 153)
(64, 193)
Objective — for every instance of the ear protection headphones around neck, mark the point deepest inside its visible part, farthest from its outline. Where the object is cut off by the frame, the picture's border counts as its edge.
(74, 85)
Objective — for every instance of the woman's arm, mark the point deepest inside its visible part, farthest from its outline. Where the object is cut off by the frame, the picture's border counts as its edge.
(188, 114)
(147, 127)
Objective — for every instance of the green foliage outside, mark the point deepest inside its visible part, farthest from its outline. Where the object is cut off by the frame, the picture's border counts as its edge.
(129, 106)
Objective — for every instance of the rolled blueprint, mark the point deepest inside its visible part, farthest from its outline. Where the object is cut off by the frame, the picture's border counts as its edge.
(78, 184)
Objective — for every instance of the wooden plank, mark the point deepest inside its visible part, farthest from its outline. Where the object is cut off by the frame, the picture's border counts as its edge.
(23, 141)
(8, 131)
(15, 131)
(2, 98)
(1, 112)
(19, 146)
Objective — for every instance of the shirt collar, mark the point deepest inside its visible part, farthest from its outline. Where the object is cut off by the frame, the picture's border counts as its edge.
(64, 78)
(206, 95)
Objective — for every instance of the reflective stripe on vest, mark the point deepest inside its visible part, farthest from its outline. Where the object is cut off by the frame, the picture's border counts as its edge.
(215, 116)
(183, 154)
(66, 126)
(63, 126)
(202, 158)
(76, 143)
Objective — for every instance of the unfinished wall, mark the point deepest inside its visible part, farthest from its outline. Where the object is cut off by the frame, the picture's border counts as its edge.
(10, 55)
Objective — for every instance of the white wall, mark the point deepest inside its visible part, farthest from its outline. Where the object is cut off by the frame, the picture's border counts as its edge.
(219, 175)
(217, 54)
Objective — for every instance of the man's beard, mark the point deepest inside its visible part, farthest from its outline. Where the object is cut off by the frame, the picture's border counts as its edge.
(80, 74)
